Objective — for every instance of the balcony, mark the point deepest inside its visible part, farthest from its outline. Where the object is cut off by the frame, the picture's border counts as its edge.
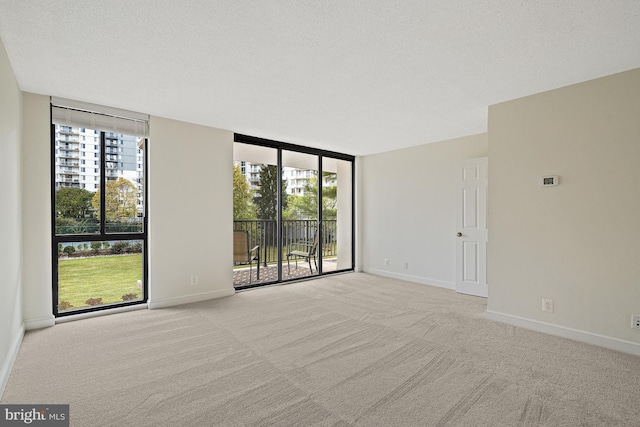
(68, 163)
(69, 180)
(63, 130)
(69, 185)
(263, 233)
(67, 146)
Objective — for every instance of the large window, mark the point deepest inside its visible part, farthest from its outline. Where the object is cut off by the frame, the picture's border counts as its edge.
(99, 207)
(294, 205)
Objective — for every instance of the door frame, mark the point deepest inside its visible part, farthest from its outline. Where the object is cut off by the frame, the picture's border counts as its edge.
(284, 146)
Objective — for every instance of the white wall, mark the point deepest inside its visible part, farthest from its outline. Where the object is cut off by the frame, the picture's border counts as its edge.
(190, 229)
(191, 212)
(36, 211)
(407, 209)
(11, 328)
(344, 204)
(576, 243)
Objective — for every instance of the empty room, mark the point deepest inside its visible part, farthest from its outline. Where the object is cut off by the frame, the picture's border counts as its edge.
(234, 213)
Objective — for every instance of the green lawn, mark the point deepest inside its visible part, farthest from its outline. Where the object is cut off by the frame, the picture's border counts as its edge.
(107, 277)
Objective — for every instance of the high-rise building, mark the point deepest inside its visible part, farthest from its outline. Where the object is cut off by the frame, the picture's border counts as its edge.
(77, 159)
(297, 179)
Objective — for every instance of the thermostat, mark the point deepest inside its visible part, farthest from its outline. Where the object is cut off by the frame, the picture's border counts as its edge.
(548, 181)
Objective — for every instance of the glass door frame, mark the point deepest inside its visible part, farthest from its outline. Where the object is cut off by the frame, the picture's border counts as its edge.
(280, 147)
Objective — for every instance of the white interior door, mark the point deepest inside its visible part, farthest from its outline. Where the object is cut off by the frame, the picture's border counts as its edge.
(471, 237)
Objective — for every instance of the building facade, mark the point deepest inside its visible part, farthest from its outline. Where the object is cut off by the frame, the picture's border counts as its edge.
(77, 159)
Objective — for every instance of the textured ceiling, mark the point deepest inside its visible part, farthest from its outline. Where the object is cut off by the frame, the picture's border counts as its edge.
(357, 77)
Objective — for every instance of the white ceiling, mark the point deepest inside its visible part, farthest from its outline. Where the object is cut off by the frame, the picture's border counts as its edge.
(357, 77)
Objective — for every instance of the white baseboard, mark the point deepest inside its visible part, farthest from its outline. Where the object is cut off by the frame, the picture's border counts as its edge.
(410, 278)
(5, 370)
(39, 322)
(187, 299)
(623, 346)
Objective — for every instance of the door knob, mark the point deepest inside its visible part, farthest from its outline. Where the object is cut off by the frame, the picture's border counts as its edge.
(459, 234)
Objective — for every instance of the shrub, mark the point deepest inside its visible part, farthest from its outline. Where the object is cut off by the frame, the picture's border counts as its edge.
(135, 247)
(129, 297)
(93, 301)
(95, 246)
(69, 250)
(64, 305)
(119, 247)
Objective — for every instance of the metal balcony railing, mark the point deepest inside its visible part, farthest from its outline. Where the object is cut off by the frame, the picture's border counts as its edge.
(264, 233)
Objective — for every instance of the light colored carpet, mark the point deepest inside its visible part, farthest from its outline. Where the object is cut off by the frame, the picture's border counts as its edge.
(351, 349)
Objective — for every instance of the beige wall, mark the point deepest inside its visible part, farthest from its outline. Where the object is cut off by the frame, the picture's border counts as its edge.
(36, 215)
(576, 243)
(11, 328)
(190, 212)
(407, 209)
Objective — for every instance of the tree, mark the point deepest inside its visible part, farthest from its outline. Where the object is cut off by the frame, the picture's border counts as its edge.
(73, 203)
(329, 196)
(120, 198)
(243, 207)
(266, 196)
(306, 206)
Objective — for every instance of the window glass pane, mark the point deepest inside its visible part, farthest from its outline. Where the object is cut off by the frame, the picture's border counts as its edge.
(99, 273)
(76, 204)
(255, 204)
(124, 171)
(300, 215)
(336, 214)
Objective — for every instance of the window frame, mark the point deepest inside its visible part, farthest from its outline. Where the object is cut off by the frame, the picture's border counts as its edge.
(102, 235)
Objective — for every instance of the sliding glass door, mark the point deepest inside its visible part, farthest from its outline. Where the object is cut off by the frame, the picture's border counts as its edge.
(255, 215)
(291, 220)
(337, 214)
(300, 226)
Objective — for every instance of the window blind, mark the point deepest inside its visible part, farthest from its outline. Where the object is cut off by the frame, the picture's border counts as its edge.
(68, 112)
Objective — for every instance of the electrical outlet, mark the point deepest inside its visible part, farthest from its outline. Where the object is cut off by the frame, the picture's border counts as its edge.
(406, 265)
(194, 280)
(547, 305)
(386, 262)
(635, 321)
